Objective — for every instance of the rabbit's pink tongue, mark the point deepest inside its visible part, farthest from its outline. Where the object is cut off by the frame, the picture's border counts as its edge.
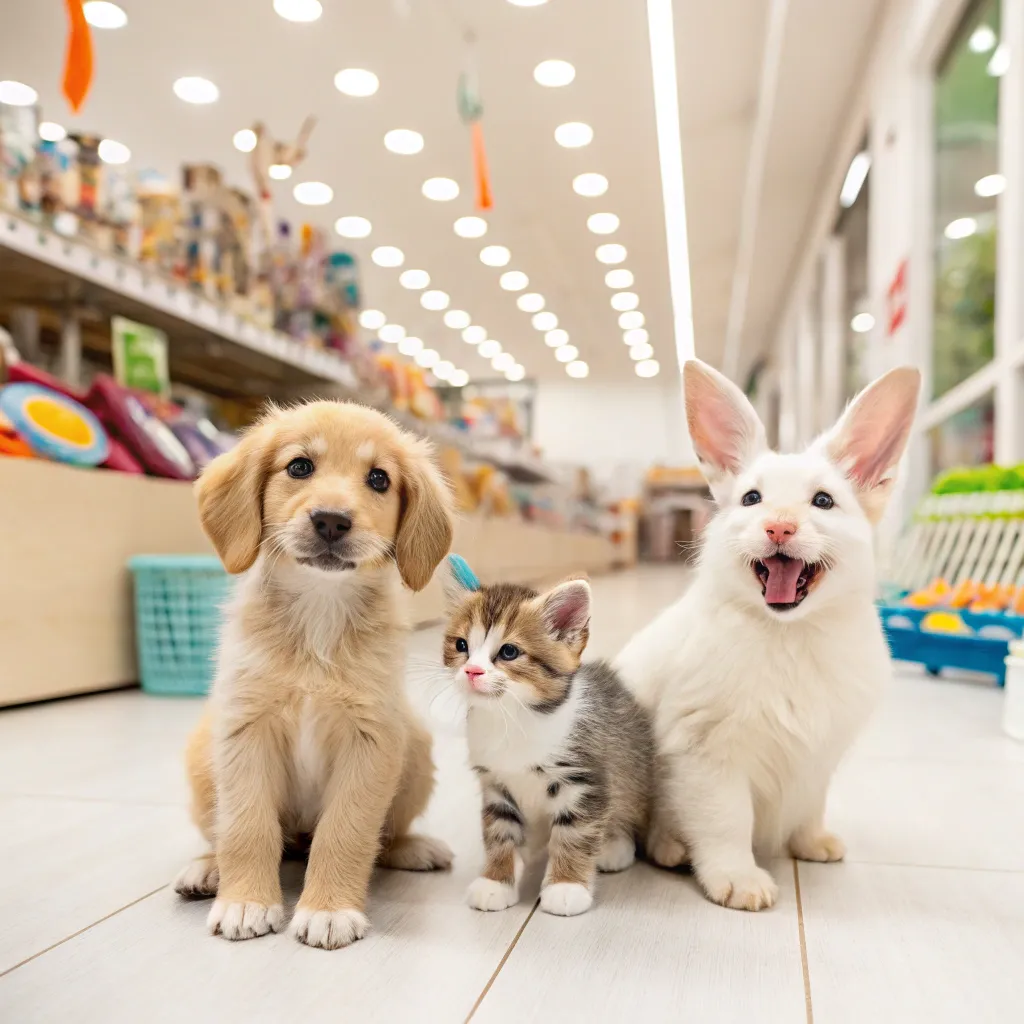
(783, 574)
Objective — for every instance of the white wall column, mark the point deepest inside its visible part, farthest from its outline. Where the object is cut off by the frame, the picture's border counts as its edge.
(833, 330)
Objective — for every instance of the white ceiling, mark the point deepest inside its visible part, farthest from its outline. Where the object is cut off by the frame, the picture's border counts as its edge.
(271, 70)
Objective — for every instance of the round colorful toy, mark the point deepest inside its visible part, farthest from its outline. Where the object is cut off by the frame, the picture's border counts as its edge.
(54, 426)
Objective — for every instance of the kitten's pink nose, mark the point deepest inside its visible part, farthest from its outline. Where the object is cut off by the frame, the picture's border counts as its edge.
(474, 672)
(779, 531)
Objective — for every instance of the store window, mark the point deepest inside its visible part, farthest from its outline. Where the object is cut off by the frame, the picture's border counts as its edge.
(967, 183)
(966, 438)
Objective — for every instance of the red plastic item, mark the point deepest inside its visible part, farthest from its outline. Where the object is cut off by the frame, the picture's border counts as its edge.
(26, 373)
(122, 460)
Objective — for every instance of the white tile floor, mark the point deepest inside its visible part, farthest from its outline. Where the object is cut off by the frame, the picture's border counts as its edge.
(925, 921)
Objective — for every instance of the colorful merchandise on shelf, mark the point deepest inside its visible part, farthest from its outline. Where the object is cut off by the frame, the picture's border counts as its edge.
(53, 425)
(11, 442)
(19, 133)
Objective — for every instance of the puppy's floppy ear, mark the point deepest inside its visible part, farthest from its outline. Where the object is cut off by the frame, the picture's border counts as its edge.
(869, 440)
(230, 496)
(725, 431)
(566, 613)
(425, 526)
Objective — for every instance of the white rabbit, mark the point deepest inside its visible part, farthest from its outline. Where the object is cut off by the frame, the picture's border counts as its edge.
(761, 675)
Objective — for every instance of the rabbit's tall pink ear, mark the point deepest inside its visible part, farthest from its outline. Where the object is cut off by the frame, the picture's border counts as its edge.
(724, 428)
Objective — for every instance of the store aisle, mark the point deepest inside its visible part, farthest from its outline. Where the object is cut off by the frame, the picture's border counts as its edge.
(924, 922)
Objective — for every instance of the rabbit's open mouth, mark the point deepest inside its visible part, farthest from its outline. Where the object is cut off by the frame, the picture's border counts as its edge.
(786, 581)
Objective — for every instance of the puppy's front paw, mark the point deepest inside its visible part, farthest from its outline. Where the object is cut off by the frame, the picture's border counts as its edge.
(666, 850)
(744, 889)
(329, 929)
(199, 879)
(235, 920)
(417, 853)
(822, 847)
(566, 899)
(487, 894)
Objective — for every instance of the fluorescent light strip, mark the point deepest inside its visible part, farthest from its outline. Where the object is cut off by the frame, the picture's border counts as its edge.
(670, 156)
(855, 178)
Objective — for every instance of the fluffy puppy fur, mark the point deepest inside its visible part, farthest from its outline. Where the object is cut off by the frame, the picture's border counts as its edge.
(762, 674)
(323, 510)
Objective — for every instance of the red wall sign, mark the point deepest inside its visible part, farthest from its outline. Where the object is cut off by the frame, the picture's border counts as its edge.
(896, 300)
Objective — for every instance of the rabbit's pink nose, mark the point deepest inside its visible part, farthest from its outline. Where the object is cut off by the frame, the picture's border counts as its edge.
(779, 531)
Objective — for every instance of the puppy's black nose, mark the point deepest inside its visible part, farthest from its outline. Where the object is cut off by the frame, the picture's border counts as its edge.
(331, 525)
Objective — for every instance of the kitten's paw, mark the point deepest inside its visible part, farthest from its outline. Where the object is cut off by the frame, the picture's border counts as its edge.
(566, 899)
(236, 920)
(199, 879)
(666, 850)
(745, 889)
(617, 854)
(329, 929)
(822, 847)
(417, 853)
(487, 894)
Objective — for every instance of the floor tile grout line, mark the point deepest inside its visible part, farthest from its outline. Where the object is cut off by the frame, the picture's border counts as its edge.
(501, 963)
(852, 862)
(81, 931)
(804, 966)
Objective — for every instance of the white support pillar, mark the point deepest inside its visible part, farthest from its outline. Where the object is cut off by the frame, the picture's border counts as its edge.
(71, 348)
(833, 330)
(806, 390)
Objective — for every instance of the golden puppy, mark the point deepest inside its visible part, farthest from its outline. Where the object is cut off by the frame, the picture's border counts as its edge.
(323, 509)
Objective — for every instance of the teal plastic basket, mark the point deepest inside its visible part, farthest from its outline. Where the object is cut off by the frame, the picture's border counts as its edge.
(178, 601)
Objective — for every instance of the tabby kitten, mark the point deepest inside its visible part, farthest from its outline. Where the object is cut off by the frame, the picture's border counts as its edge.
(556, 744)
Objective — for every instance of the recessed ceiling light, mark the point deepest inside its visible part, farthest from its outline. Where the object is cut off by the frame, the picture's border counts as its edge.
(372, 319)
(244, 141)
(513, 281)
(193, 89)
(443, 370)
(544, 321)
(313, 193)
(982, 39)
(17, 94)
(495, 255)
(356, 82)
(458, 379)
(442, 190)
(471, 227)
(556, 337)
(474, 335)
(648, 368)
(353, 227)
(387, 256)
(50, 131)
(639, 352)
(503, 361)
(631, 320)
(531, 302)
(590, 185)
(611, 252)
(410, 346)
(434, 300)
(428, 357)
(620, 278)
(578, 369)
(101, 14)
(280, 172)
(457, 319)
(999, 62)
(636, 336)
(566, 353)
(391, 333)
(574, 134)
(489, 349)
(515, 372)
(862, 323)
(414, 279)
(962, 227)
(298, 10)
(403, 141)
(554, 73)
(603, 223)
(622, 302)
(112, 152)
(990, 185)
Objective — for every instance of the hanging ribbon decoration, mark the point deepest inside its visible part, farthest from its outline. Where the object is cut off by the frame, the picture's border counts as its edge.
(471, 111)
(78, 61)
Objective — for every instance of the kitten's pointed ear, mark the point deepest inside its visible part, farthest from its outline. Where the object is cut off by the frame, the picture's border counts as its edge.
(566, 612)
(458, 579)
(725, 431)
(869, 440)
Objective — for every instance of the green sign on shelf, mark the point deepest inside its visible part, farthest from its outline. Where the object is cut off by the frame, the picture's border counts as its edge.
(140, 356)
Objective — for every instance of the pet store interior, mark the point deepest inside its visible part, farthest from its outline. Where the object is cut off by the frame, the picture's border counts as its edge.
(507, 225)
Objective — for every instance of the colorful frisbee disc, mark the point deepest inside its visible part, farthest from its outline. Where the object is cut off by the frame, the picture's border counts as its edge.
(55, 427)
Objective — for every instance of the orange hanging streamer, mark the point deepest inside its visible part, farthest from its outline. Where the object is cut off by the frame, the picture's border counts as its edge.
(484, 197)
(78, 62)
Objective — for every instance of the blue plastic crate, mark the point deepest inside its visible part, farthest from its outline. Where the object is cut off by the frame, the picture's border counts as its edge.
(178, 601)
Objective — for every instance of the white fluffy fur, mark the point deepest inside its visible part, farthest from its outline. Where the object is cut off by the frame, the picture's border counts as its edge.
(754, 707)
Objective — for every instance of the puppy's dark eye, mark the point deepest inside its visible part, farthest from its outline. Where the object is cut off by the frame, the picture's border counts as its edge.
(461, 646)
(509, 652)
(378, 480)
(752, 498)
(299, 469)
(822, 500)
